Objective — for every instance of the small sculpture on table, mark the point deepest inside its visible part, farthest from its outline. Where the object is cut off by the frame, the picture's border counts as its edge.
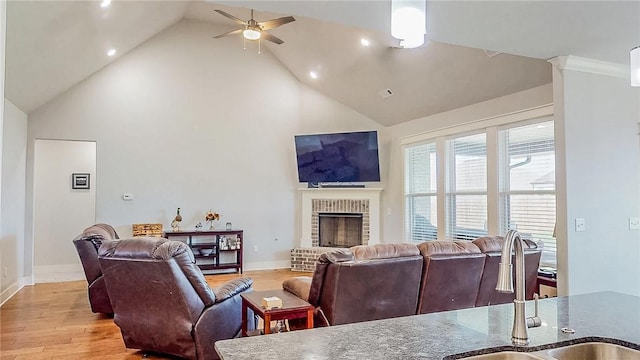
(210, 217)
(175, 224)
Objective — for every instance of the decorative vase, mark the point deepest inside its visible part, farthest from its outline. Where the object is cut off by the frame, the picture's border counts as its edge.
(211, 225)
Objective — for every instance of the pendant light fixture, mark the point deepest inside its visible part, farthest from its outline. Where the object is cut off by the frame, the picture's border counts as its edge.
(635, 66)
(408, 22)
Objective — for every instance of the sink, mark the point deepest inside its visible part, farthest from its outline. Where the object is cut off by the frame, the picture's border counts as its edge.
(505, 355)
(595, 351)
(583, 351)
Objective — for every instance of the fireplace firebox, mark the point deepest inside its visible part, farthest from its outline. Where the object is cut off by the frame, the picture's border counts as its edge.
(340, 229)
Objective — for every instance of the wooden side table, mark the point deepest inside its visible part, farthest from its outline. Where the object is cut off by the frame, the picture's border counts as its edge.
(550, 282)
(292, 308)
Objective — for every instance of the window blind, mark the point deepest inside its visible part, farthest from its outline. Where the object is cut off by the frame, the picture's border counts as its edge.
(420, 192)
(527, 184)
(466, 192)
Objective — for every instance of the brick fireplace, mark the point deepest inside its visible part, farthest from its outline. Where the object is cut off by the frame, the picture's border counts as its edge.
(361, 203)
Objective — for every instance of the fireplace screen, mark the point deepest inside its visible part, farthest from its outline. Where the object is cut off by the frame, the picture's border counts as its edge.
(340, 229)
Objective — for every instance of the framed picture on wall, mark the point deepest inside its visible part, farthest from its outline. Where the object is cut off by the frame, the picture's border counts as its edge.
(80, 181)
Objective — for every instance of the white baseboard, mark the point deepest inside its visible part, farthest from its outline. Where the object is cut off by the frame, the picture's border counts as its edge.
(58, 273)
(13, 289)
(267, 265)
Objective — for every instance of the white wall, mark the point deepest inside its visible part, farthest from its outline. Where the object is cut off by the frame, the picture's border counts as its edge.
(60, 212)
(14, 153)
(597, 121)
(188, 121)
(3, 32)
(393, 199)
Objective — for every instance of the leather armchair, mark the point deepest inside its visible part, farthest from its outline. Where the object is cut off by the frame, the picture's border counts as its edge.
(162, 302)
(450, 276)
(491, 246)
(362, 283)
(87, 244)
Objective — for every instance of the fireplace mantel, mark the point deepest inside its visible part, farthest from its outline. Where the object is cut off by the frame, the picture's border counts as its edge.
(372, 195)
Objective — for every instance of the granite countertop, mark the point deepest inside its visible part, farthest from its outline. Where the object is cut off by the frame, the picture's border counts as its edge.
(607, 316)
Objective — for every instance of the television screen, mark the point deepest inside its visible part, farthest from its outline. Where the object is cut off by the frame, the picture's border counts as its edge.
(341, 157)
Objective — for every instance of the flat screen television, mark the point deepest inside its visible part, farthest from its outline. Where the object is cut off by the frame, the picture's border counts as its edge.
(340, 157)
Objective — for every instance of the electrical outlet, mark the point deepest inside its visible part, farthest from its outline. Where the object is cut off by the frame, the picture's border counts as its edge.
(581, 224)
(255, 248)
(634, 223)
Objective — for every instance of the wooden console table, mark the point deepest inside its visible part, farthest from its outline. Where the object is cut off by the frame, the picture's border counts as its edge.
(207, 252)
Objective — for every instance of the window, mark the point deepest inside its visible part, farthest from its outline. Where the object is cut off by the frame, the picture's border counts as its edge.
(466, 193)
(420, 192)
(527, 184)
(462, 186)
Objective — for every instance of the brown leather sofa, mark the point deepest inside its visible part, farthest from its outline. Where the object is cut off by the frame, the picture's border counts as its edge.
(491, 246)
(450, 276)
(162, 302)
(388, 280)
(87, 244)
(362, 283)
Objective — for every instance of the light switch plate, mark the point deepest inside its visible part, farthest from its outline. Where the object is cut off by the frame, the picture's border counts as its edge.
(634, 223)
(581, 224)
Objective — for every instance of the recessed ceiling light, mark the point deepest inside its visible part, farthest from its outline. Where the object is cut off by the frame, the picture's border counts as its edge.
(364, 42)
(111, 52)
(313, 74)
(105, 3)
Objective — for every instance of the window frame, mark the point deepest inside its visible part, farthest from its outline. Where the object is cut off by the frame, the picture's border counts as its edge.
(491, 127)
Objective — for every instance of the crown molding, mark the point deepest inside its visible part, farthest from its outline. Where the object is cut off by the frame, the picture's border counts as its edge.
(592, 66)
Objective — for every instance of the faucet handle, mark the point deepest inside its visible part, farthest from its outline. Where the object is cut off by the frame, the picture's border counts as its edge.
(534, 321)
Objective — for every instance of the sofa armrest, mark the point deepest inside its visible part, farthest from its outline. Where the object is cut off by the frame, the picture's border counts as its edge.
(232, 288)
(299, 286)
(219, 321)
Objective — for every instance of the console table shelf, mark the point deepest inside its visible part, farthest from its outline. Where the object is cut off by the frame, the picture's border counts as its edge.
(218, 242)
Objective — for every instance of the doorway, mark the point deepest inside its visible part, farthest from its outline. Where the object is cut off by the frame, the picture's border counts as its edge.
(64, 203)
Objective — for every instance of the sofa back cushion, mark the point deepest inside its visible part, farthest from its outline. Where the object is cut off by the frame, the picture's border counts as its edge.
(368, 283)
(491, 246)
(450, 276)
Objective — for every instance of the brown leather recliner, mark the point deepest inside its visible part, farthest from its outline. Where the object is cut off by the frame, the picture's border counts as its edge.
(362, 283)
(491, 246)
(450, 276)
(87, 245)
(162, 302)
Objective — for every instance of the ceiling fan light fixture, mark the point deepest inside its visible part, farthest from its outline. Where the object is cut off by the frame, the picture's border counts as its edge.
(635, 66)
(408, 22)
(251, 34)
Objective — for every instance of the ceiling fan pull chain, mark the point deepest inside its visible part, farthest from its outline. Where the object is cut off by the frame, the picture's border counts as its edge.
(258, 46)
(244, 44)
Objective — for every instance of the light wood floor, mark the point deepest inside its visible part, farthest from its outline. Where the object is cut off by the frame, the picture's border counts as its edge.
(54, 321)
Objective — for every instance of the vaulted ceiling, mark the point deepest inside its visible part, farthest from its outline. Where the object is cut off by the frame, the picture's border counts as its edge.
(51, 46)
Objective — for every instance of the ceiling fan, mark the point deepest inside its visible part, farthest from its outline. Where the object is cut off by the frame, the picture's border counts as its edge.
(253, 30)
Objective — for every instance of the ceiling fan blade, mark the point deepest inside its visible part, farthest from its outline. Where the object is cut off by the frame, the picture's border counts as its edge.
(235, 19)
(232, 32)
(270, 24)
(273, 39)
